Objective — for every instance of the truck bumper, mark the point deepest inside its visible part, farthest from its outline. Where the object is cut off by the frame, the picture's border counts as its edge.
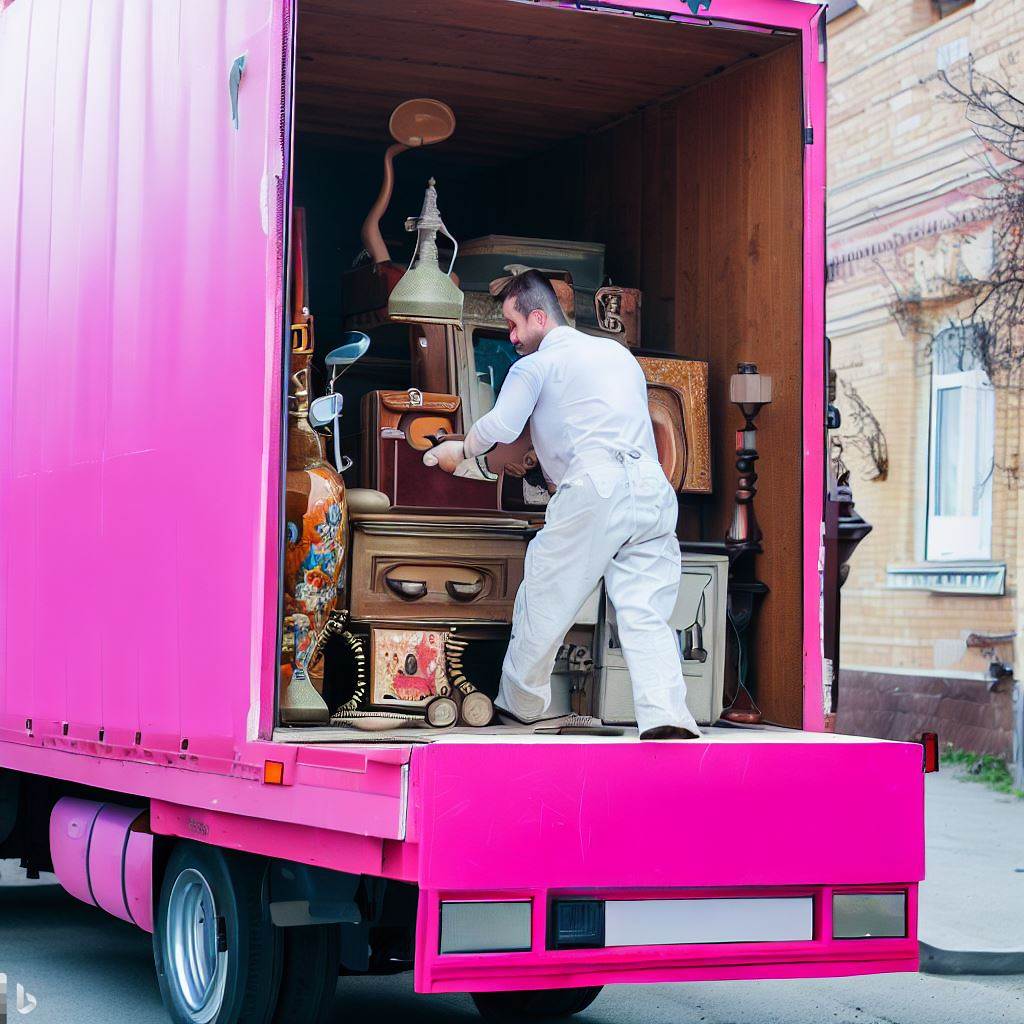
(816, 956)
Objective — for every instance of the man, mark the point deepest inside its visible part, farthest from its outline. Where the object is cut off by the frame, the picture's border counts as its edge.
(613, 514)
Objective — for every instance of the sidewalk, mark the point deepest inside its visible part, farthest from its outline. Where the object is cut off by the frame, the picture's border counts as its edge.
(973, 898)
(12, 874)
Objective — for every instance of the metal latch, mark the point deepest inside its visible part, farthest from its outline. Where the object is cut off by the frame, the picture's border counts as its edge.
(234, 81)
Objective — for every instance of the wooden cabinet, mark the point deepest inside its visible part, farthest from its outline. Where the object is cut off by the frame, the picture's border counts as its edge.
(436, 568)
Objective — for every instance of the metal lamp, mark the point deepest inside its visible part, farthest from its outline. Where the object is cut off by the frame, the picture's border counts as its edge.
(426, 293)
(750, 391)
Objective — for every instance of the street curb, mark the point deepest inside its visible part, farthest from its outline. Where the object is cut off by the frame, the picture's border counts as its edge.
(963, 961)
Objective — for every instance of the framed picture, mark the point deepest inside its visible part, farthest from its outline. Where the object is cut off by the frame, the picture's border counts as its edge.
(407, 666)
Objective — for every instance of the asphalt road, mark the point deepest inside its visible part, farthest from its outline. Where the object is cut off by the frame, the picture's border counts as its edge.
(81, 965)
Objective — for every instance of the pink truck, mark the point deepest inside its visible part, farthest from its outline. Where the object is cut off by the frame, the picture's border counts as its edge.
(149, 159)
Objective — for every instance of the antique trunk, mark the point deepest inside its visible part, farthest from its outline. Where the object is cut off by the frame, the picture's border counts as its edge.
(483, 260)
(436, 568)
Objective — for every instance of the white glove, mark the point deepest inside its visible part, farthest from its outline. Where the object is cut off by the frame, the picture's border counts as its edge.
(447, 455)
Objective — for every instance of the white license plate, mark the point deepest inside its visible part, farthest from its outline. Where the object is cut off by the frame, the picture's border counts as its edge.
(694, 922)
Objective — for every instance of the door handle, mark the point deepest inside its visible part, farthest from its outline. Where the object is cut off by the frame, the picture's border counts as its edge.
(407, 590)
(459, 591)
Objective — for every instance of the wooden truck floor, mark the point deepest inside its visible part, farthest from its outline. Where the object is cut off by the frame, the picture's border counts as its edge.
(522, 734)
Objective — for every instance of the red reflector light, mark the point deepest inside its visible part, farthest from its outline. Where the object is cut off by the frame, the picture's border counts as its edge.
(930, 742)
(273, 773)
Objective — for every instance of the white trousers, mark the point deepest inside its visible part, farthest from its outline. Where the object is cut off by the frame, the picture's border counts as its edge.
(613, 516)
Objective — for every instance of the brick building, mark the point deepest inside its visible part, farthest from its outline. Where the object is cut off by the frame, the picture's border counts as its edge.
(907, 221)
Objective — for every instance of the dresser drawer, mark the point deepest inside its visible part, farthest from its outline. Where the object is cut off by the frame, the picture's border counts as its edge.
(435, 568)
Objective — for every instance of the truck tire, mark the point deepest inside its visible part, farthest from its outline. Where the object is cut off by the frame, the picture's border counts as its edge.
(311, 959)
(218, 957)
(539, 1004)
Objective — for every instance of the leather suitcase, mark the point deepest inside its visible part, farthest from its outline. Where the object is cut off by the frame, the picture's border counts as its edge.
(416, 414)
(442, 569)
(413, 487)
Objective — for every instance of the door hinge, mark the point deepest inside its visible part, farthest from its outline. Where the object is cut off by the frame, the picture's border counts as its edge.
(808, 136)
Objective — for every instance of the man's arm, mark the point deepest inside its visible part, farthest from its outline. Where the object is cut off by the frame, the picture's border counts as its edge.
(512, 409)
(502, 425)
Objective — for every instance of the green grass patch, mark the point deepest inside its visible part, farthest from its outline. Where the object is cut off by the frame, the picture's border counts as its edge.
(991, 771)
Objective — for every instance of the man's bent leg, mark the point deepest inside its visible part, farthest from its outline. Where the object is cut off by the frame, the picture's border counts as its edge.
(564, 563)
(643, 582)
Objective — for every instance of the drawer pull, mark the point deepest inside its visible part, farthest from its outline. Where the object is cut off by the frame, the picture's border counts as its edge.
(458, 591)
(407, 590)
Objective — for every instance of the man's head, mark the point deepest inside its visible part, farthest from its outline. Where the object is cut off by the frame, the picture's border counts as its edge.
(531, 310)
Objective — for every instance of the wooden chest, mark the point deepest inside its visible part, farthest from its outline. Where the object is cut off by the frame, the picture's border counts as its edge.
(442, 569)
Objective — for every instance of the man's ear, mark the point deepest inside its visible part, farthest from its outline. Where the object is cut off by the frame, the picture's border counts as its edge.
(539, 317)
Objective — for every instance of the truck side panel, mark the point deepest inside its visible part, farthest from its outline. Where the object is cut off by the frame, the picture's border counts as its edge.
(139, 324)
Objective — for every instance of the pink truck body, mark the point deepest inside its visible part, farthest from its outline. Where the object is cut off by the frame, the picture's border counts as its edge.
(141, 329)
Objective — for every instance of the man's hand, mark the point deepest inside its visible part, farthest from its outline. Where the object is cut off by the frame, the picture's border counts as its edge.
(447, 455)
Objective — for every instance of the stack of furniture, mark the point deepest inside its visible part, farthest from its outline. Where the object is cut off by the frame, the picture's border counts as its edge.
(435, 565)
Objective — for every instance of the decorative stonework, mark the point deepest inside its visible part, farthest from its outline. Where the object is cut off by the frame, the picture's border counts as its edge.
(987, 579)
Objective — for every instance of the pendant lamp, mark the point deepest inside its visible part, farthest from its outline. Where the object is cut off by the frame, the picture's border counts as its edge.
(426, 293)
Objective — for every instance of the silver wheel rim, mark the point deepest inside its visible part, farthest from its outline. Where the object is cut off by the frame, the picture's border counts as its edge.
(198, 969)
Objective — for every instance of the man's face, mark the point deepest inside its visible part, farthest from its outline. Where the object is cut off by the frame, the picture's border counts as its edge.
(526, 332)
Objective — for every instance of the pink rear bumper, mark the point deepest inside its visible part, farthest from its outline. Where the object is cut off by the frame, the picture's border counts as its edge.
(781, 817)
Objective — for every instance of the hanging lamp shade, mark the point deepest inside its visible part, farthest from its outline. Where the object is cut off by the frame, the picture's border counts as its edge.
(426, 293)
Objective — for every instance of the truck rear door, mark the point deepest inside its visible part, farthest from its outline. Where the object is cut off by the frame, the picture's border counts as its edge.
(141, 236)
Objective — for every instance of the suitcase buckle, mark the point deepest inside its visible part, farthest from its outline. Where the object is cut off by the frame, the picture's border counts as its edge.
(415, 396)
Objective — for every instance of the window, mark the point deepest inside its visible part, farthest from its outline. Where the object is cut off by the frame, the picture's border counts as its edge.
(493, 356)
(839, 7)
(944, 8)
(961, 451)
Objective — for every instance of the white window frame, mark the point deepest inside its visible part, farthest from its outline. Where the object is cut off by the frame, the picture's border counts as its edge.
(962, 537)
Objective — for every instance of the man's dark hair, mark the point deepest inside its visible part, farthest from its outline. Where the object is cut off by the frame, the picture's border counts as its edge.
(531, 290)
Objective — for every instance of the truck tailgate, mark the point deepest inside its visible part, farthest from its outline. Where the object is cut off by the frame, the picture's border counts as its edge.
(739, 855)
(739, 808)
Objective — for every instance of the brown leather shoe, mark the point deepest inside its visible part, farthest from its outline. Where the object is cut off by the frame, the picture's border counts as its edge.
(669, 732)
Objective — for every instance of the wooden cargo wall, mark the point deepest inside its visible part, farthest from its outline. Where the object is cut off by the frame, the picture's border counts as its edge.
(699, 201)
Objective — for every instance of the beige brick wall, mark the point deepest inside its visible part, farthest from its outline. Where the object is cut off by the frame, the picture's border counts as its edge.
(903, 211)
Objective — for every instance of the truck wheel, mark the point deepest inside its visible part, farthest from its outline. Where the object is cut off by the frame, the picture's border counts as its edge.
(218, 957)
(309, 974)
(534, 1005)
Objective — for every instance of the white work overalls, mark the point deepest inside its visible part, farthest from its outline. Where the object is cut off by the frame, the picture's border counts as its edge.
(613, 515)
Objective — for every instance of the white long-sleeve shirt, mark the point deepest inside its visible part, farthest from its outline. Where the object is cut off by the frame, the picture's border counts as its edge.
(579, 393)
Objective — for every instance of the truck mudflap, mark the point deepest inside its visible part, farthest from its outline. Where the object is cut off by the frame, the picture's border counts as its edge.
(555, 864)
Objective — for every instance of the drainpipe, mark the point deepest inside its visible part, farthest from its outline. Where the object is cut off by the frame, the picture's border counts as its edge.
(1018, 735)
